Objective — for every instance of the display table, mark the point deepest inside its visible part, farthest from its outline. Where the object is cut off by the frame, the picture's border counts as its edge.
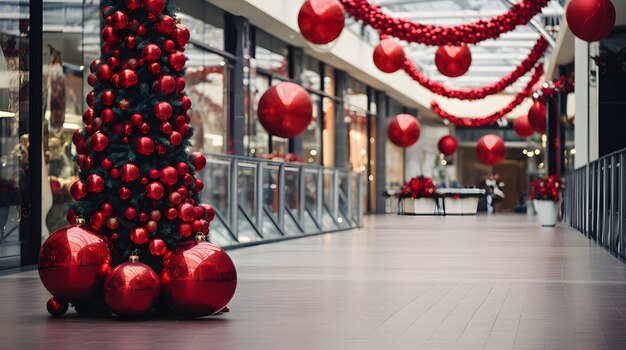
(460, 201)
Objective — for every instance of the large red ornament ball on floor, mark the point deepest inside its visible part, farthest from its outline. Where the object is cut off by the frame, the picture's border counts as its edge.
(448, 145)
(490, 150)
(404, 130)
(131, 288)
(73, 263)
(321, 21)
(198, 279)
(285, 110)
(537, 117)
(590, 20)
(57, 307)
(522, 127)
(389, 55)
(453, 61)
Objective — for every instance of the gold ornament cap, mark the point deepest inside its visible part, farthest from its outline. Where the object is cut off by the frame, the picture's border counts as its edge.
(200, 237)
(133, 257)
(79, 220)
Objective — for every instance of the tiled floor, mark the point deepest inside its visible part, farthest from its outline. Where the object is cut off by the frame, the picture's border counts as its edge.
(496, 282)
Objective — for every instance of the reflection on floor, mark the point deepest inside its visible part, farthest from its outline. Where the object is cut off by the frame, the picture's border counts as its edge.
(497, 282)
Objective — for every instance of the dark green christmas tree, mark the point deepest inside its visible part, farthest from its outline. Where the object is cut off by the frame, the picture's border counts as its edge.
(136, 179)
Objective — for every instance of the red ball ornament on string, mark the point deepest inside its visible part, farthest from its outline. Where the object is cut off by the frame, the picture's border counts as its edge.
(95, 183)
(537, 116)
(448, 145)
(168, 175)
(145, 145)
(154, 6)
(185, 102)
(198, 279)
(169, 46)
(285, 110)
(321, 21)
(171, 213)
(180, 84)
(490, 150)
(590, 20)
(139, 235)
(131, 288)
(73, 263)
(157, 247)
(177, 60)
(90, 99)
(155, 190)
(404, 130)
(175, 198)
(129, 172)
(453, 61)
(57, 307)
(522, 126)
(78, 190)
(199, 185)
(389, 56)
(128, 78)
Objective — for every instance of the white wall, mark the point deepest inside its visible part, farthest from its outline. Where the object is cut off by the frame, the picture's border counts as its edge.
(422, 158)
(586, 133)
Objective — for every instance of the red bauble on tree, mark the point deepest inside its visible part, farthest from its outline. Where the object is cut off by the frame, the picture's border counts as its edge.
(131, 288)
(490, 150)
(404, 130)
(145, 145)
(154, 6)
(155, 190)
(285, 110)
(168, 175)
(128, 78)
(151, 52)
(78, 190)
(590, 20)
(198, 279)
(389, 55)
(158, 247)
(163, 110)
(99, 141)
(522, 126)
(129, 172)
(199, 160)
(321, 21)
(139, 235)
(73, 263)
(453, 61)
(95, 183)
(181, 35)
(177, 60)
(537, 116)
(448, 145)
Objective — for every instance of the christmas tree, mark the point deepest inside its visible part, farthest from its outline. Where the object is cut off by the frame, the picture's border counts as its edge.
(136, 179)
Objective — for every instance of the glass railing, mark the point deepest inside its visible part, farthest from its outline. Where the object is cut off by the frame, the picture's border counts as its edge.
(260, 200)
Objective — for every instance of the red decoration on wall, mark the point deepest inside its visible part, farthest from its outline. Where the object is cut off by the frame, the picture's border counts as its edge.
(453, 61)
(522, 126)
(590, 20)
(389, 55)
(285, 110)
(448, 145)
(479, 93)
(537, 116)
(472, 33)
(404, 130)
(321, 21)
(472, 122)
(490, 150)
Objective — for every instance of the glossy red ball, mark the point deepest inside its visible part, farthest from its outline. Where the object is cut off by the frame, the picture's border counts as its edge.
(198, 279)
(131, 43)
(78, 190)
(145, 145)
(130, 213)
(95, 183)
(73, 263)
(285, 110)
(448, 145)
(124, 193)
(177, 60)
(522, 126)
(199, 185)
(145, 128)
(96, 220)
(104, 73)
(107, 115)
(171, 213)
(158, 247)
(57, 307)
(90, 99)
(163, 110)
(154, 5)
(107, 98)
(453, 61)
(151, 52)
(165, 25)
(403, 130)
(175, 198)
(389, 55)
(180, 84)
(155, 190)
(175, 138)
(139, 235)
(128, 78)
(129, 172)
(590, 20)
(113, 222)
(106, 209)
(131, 288)
(185, 230)
(169, 46)
(537, 115)
(210, 212)
(167, 84)
(155, 215)
(166, 128)
(186, 212)
(321, 21)
(490, 150)
(132, 5)
(119, 20)
(110, 35)
(199, 160)
(181, 35)
(182, 168)
(168, 175)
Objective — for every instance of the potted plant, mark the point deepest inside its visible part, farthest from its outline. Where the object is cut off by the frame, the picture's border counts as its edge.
(418, 196)
(545, 193)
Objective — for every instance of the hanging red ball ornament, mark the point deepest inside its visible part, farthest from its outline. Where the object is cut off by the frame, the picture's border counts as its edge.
(182, 168)
(168, 175)
(453, 61)
(151, 52)
(84, 161)
(94, 65)
(210, 211)
(163, 110)
(158, 247)
(199, 213)
(181, 35)
(490, 150)
(403, 130)
(57, 307)
(139, 235)
(131, 288)
(91, 79)
(448, 145)
(154, 68)
(537, 116)
(321, 21)
(165, 25)
(199, 160)
(119, 20)
(115, 173)
(590, 20)
(95, 183)
(198, 279)
(389, 55)
(166, 128)
(522, 127)
(154, 6)
(78, 190)
(129, 172)
(285, 110)
(145, 145)
(110, 35)
(155, 190)
(73, 263)
(145, 128)
(128, 78)
(177, 60)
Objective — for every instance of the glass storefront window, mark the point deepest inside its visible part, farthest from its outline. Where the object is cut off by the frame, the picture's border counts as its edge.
(271, 54)
(257, 136)
(311, 138)
(311, 74)
(205, 22)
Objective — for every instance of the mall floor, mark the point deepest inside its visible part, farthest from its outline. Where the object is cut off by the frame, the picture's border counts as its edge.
(497, 282)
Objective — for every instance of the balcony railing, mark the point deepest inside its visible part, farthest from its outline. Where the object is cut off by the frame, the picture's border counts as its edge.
(259, 200)
(595, 201)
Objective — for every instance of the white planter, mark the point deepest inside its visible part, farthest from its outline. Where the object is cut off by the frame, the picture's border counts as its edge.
(424, 206)
(461, 206)
(548, 212)
(407, 206)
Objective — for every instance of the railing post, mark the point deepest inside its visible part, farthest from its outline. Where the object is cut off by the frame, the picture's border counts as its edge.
(281, 197)
(349, 198)
(360, 199)
(301, 195)
(335, 187)
(233, 195)
(259, 196)
(320, 195)
(622, 205)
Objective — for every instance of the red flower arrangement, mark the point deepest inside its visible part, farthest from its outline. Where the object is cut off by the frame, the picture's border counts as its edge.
(546, 188)
(419, 187)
